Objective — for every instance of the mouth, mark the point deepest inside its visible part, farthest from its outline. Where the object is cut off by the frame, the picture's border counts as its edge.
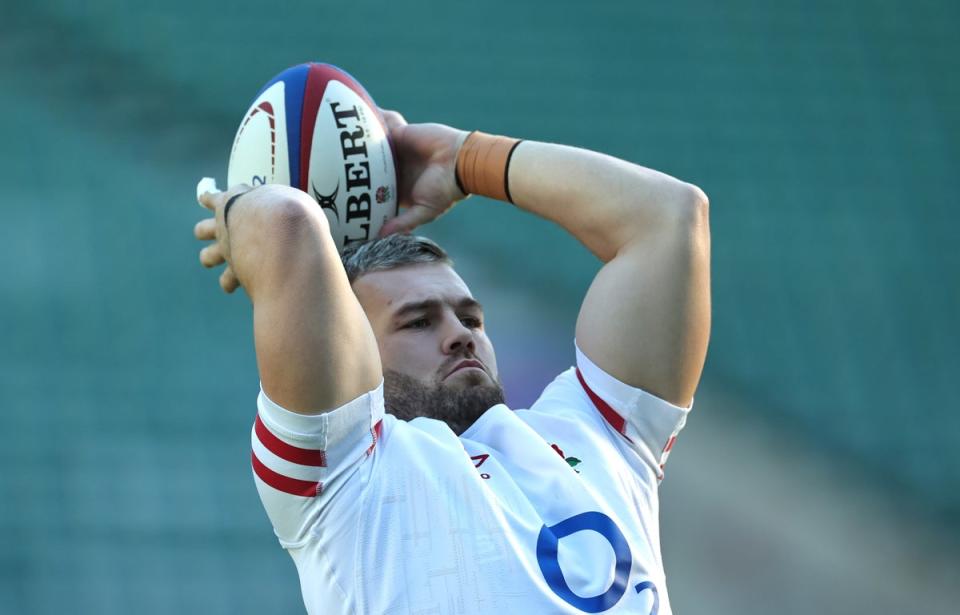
(464, 365)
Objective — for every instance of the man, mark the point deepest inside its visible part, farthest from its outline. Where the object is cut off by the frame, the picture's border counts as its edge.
(390, 469)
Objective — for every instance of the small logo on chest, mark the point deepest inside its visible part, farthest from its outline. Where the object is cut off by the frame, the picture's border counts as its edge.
(573, 461)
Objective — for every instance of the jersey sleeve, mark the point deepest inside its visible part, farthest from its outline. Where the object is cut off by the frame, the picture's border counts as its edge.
(648, 424)
(305, 465)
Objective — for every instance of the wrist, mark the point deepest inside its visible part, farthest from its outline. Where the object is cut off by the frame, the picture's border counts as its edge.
(228, 206)
(461, 138)
(483, 165)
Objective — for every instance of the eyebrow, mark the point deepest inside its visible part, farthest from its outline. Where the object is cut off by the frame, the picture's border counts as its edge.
(434, 304)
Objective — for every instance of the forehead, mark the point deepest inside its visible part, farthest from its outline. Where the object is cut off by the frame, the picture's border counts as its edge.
(382, 292)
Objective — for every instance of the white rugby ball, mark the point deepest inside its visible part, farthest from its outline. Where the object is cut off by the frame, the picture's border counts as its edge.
(315, 128)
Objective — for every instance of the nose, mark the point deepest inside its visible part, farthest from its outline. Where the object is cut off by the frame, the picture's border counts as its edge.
(458, 339)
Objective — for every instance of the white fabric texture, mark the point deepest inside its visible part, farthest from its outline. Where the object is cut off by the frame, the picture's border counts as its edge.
(547, 510)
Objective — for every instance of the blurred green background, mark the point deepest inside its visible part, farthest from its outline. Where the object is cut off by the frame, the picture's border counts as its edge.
(827, 136)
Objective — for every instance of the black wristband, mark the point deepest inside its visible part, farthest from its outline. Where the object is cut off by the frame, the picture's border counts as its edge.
(230, 202)
(506, 172)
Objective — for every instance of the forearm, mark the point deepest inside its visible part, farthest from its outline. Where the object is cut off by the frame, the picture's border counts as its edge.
(646, 317)
(604, 202)
(315, 349)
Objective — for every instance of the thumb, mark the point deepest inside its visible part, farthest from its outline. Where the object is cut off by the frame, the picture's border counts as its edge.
(393, 120)
(410, 219)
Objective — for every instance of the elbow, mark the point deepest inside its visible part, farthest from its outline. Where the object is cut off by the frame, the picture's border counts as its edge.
(293, 233)
(674, 211)
(682, 218)
(699, 198)
(293, 213)
(693, 230)
(275, 237)
(691, 208)
(293, 222)
(682, 208)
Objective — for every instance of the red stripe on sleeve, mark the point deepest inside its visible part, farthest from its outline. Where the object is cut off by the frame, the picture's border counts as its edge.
(616, 421)
(303, 456)
(293, 486)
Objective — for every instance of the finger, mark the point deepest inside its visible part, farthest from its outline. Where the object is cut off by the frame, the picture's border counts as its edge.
(209, 200)
(211, 256)
(393, 119)
(206, 229)
(206, 190)
(206, 184)
(216, 199)
(229, 281)
(410, 219)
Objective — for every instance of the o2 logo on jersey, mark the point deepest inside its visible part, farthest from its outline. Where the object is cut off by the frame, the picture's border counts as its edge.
(548, 543)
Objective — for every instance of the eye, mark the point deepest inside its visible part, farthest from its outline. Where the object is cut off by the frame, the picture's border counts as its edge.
(472, 322)
(420, 323)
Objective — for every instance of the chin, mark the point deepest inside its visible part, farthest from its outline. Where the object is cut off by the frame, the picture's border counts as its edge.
(458, 400)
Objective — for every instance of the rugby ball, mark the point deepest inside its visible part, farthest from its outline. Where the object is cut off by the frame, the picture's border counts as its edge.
(315, 128)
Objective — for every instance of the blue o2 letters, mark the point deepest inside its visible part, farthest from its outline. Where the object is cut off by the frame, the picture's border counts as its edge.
(547, 547)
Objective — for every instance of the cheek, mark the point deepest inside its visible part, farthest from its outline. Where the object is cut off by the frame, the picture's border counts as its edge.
(409, 356)
(487, 354)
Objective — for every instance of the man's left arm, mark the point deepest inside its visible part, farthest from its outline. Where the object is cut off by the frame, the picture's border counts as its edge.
(646, 318)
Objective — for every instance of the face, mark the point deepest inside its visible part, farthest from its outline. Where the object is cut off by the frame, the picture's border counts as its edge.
(437, 358)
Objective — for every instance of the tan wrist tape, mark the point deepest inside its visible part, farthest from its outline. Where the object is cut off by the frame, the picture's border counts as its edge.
(483, 165)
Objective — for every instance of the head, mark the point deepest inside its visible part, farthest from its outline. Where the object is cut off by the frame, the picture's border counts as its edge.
(437, 359)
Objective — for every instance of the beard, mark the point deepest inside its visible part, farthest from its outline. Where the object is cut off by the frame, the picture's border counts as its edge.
(408, 398)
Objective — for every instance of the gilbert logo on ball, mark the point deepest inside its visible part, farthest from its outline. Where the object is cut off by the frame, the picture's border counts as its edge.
(315, 128)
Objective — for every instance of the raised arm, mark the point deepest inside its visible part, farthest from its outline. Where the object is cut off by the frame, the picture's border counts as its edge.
(315, 348)
(646, 318)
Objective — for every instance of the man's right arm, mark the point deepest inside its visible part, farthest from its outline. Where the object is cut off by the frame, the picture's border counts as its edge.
(315, 348)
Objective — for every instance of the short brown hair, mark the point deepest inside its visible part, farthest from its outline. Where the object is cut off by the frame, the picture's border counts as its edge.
(390, 252)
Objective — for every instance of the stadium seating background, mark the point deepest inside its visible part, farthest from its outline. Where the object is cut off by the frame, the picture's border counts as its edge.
(825, 134)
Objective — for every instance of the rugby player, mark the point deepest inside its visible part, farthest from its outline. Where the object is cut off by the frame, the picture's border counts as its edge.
(390, 468)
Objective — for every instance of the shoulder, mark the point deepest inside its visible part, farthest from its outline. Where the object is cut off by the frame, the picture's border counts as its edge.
(586, 399)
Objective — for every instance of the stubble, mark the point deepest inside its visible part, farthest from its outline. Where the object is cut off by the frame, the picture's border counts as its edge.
(407, 398)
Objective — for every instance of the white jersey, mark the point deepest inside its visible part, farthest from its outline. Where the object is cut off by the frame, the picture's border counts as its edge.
(548, 510)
